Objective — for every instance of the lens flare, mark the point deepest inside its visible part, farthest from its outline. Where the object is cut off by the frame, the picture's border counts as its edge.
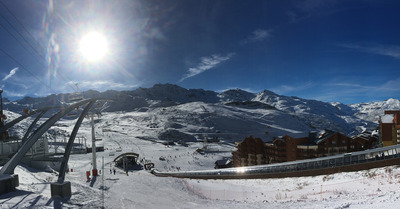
(93, 46)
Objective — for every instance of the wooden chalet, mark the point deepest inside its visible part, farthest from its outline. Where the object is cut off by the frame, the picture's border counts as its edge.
(253, 151)
(390, 128)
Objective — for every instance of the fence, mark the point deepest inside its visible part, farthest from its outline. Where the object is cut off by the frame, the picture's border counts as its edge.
(367, 159)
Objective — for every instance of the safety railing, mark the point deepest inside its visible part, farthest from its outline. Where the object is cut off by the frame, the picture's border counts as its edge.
(361, 157)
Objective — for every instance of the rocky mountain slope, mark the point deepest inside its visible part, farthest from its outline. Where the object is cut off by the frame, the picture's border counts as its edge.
(167, 108)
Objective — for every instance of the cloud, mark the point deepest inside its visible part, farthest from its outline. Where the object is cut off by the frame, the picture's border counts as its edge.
(155, 33)
(257, 35)
(391, 51)
(352, 89)
(101, 85)
(350, 92)
(359, 87)
(389, 87)
(305, 9)
(15, 94)
(285, 89)
(206, 63)
(12, 72)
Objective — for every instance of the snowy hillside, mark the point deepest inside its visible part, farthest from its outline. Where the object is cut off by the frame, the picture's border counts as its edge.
(372, 111)
(166, 125)
(144, 133)
(234, 114)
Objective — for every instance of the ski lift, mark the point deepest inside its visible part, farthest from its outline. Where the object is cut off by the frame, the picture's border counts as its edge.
(26, 111)
(77, 96)
(72, 114)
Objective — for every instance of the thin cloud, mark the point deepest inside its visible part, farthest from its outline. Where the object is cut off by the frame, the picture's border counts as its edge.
(205, 64)
(285, 89)
(389, 86)
(391, 51)
(257, 35)
(345, 91)
(306, 9)
(15, 94)
(102, 85)
(155, 33)
(12, 72)
(355, 86)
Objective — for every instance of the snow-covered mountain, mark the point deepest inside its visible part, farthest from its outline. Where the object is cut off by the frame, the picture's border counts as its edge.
(141, 121)
(232, 114)
(372, 111)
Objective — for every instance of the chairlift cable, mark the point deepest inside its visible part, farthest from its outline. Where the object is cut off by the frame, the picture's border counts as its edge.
(12, 35)
(33, 48)
(30, 45)
(26, 69)
(22, 25)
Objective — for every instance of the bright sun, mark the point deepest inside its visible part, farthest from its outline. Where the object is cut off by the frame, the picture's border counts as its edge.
(93, 46)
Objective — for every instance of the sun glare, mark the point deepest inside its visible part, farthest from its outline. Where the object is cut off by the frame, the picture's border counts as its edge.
(93, 46)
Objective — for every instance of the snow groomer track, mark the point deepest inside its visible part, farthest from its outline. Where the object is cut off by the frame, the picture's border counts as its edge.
(355, 161)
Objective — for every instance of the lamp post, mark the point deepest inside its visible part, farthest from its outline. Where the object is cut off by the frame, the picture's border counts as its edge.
(94, 170)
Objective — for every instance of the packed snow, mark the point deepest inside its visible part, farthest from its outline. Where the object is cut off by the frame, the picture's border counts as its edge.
(179, 129)
(232, 111)
(132, 132)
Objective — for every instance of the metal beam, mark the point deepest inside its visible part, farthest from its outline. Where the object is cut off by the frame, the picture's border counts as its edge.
(9, 167)
(22, 117)
(32, 125)
(68, 148)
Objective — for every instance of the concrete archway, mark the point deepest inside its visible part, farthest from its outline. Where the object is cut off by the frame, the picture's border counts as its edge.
(9, 180)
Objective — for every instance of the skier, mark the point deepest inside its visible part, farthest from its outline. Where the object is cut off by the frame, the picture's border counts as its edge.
(114, 171)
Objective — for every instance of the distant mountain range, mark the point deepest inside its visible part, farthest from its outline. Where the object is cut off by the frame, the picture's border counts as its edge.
(195, 111)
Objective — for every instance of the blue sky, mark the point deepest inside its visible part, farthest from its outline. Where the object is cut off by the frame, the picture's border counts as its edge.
(330, 50)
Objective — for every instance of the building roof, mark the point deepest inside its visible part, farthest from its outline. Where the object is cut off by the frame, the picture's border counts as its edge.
(388, 118)
(325, 136)
(223, 162)
(277, 139)
(392, 111)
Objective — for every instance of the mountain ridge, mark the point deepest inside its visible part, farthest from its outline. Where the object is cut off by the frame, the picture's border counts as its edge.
(265, 114)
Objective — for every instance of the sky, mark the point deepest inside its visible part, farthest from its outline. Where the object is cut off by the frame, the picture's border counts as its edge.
(331, 50)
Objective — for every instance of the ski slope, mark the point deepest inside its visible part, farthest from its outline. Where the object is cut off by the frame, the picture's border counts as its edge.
(364, 189)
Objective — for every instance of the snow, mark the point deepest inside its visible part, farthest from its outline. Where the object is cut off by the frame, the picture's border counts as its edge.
(128, 132)
(387, 118)
(140, 121)
(371, 111)
(239, 111)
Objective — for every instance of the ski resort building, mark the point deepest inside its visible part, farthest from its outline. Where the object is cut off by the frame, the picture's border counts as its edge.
(253, 151)
(390, 128)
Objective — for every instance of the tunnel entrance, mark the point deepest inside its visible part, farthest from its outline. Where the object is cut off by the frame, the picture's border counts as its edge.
(128, 161)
